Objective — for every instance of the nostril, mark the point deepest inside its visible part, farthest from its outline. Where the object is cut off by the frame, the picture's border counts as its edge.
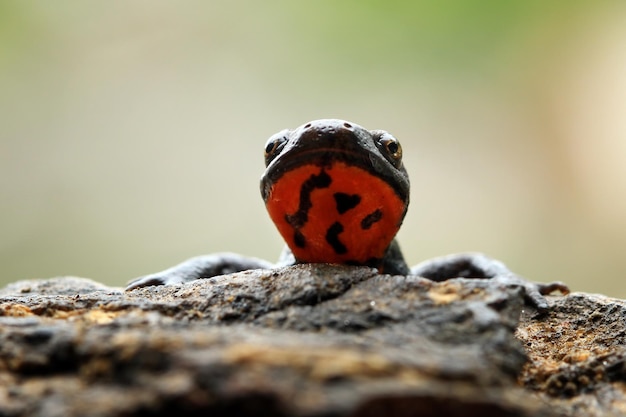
(308, 125)
(347, 125)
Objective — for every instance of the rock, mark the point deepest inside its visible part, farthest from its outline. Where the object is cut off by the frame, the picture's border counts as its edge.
(307, 340)
(577, 354)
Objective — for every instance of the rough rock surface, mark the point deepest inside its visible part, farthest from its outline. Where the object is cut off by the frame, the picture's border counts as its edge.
(308, 340)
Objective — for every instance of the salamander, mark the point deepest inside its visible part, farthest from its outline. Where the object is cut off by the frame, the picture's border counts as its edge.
(338, 193)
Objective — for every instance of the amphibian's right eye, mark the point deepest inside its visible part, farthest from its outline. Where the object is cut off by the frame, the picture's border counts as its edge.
(274, 146)
(270, 147)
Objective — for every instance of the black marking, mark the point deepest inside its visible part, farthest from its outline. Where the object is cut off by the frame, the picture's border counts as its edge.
(332, 237)
(300, 217)
(371, 218)
(298, 239)
(346, 202)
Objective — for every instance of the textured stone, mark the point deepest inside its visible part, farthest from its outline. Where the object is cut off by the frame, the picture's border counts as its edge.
(577, 354)
(307, 340)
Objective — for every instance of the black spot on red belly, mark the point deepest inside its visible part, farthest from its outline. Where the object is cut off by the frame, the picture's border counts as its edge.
(371, 218)
(298, 239)
(300, 217)
(346, 202)
(332, 237)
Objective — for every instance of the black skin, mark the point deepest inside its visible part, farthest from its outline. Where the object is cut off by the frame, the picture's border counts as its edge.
(465, 265)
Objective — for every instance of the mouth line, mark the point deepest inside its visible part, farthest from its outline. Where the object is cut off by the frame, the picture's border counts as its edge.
(325, 156)
(320, 156)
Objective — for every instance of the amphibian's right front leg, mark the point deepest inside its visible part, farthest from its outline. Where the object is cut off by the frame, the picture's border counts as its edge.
(206, 266)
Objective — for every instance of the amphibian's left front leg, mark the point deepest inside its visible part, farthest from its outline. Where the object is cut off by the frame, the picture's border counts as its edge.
(206, 266)
(477, 265)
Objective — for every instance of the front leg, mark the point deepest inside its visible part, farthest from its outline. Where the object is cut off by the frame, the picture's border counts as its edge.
(477, 265)
(206, 266)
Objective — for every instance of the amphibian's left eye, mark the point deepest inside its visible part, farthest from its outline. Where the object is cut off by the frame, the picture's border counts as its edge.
(390, 147)
(274, 145)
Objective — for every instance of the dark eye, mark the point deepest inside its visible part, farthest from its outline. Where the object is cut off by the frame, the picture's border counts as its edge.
(270, 147)
(273, 146)
(391, 146)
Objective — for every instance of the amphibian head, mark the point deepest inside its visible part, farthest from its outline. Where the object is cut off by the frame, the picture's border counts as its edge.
(337, 192)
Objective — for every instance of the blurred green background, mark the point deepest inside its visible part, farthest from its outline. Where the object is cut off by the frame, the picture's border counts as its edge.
(132, 132)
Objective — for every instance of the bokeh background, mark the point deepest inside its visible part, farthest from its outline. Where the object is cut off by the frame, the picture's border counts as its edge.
(132, 132)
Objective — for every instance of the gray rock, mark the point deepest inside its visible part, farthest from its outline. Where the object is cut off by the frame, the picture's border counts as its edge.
(307, 340)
